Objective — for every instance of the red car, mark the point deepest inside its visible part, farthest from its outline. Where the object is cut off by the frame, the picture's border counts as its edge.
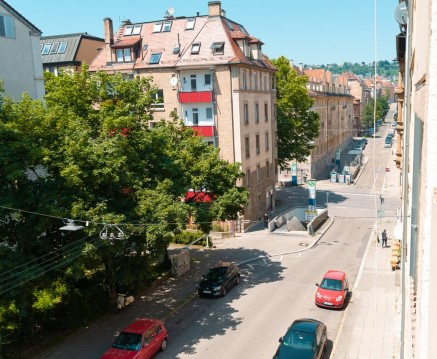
(333, 290)
(142, 339)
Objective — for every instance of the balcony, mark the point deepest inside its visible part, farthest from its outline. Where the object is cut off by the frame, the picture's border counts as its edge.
(195, 97)
(205, 131)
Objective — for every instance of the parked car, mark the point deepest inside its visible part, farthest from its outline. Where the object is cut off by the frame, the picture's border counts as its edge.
(219, 279)
(141, 339)
(305, 339)
(333, 290)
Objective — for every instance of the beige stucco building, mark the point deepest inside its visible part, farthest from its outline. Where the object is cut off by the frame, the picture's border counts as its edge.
(21, 66)
(214, 75)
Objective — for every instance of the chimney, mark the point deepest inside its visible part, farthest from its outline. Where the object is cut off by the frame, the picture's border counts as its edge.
(109, 38)
(214, 8)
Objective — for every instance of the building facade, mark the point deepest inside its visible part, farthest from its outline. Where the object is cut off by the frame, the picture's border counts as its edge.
(417, 130)
(213, 74)
(69, 52)
(21, 66)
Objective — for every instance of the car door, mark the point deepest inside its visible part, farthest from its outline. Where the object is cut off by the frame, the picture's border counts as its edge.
(319, 343)
(149, 347)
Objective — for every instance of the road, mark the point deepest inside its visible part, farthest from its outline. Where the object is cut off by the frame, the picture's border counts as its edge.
(275, 289)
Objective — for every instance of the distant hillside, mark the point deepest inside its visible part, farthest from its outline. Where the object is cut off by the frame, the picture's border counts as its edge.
(385, 69)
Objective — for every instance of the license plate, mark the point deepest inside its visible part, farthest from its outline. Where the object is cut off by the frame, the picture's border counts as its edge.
(327, 303)
(207, 291)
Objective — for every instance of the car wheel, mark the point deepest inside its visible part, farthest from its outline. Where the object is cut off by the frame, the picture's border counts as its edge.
(163, 345)
(224, 291)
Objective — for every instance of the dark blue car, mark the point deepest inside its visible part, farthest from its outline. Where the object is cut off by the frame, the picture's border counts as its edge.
(305, 339)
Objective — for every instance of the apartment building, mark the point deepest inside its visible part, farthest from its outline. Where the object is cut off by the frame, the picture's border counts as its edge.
(416, 156)
(69, 52)
(213, 73)
(21, 66)
(334, 104)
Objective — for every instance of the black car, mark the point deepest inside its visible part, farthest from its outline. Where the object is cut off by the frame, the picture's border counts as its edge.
(305, 339)
(219, 279)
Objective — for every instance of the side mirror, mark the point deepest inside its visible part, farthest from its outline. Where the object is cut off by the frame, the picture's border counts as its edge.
(281, 339)
(317, 284)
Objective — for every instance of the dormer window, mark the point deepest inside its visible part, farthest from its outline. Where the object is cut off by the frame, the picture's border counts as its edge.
(157, 27)
(136, 30)
(190, 24)
(154, 58)
(128, 30)
(46, 49)
(54, 48)
(218, 48)
(62, 47)
(195, 48)
(167, 26)
(124, 55)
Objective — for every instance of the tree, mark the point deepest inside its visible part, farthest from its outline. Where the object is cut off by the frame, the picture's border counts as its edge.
(298, 126)
(88, 153)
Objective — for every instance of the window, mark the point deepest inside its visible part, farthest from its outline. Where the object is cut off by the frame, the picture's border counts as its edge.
(258, 173)
(195, 116)
(190, 24)
(207, 79)
(257, 144)
(247, 147)
(218, 48)
(177, 49)
(7, 26)
(247, 178)
(54, 48)
(195, 48)
(128, 30)
(246, 113)
(266, 112)
(46, 49)
(123, 55)
(157, 27)
(158, 97)
(167, 26)
(265, 83)
(267, 169)
(255, 81)
(266, 141)
(244, 80)
(154, 58)
(209, 113)
(136, 30)
(62, 47)
(231, 27)
(145, 46)
(193, 83)
(256, 113)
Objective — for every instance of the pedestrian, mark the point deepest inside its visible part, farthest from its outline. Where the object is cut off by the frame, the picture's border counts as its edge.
(381, 199)
(384, 238)
(266, 220)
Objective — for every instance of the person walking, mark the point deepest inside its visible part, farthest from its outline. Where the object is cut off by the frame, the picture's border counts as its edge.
(266, 220)
(384, 238)
(381, 199)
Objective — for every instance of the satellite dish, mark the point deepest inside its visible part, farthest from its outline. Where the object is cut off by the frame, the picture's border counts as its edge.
(169, 12)
(401, 13)
(173, 81)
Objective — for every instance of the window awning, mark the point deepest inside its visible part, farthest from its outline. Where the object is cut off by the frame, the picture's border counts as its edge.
(129, 42)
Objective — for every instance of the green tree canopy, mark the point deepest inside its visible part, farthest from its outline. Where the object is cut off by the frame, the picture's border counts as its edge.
(298, 126)
(88, 153)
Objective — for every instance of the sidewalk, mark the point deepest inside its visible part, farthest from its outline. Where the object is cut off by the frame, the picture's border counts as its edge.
(370, 327)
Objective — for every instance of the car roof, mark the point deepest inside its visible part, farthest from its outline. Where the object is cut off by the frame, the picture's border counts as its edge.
(140, 325)
(335, 274)
(305, 325)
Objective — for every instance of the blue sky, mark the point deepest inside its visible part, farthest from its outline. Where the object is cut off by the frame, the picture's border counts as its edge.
(308, 31)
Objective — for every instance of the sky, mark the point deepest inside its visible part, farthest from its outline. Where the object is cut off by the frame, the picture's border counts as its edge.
(312, 32)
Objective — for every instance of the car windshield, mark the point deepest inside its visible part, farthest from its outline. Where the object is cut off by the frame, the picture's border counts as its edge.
(331, 284)
(216, 273)
(298, 340)
(128, 341)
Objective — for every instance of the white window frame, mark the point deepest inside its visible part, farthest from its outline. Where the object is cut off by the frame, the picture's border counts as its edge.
(137, 29)
(62, 47)
(190, 24)
(218, 48)
(195, 48)
(166, 26)
(46, 48)
(158, 96)
(157, 27)
(128, 30)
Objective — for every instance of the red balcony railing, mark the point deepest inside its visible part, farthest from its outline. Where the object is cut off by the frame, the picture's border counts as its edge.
(204, 131)
(195, 97)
